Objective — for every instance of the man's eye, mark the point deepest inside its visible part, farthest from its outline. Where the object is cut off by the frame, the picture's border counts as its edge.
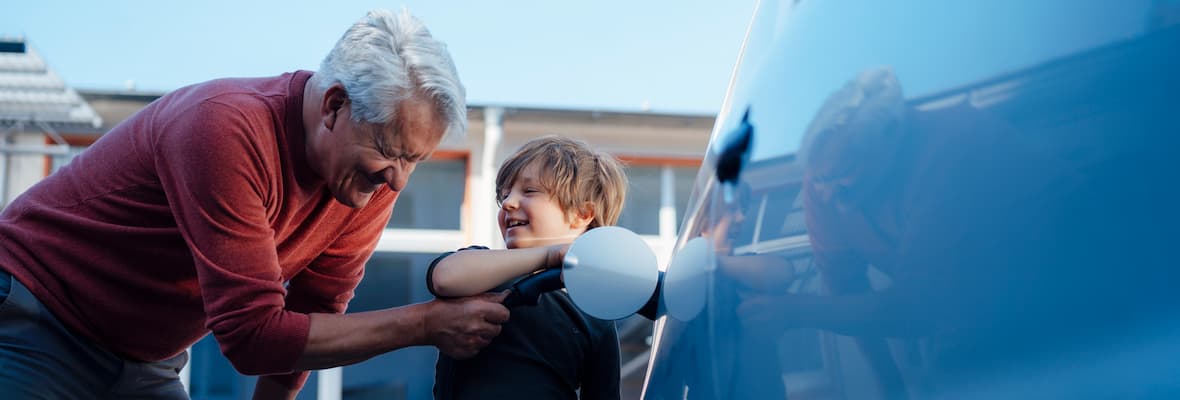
(378, 144)
(376, 178)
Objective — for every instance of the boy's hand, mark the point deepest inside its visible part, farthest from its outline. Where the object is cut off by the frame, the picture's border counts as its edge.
(461, 327)
(555, 256)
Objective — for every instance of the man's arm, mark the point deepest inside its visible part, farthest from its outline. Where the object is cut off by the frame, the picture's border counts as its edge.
(467, 273)
(459, 328)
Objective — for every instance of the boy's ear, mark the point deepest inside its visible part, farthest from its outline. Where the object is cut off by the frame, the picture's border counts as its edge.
(583, 216)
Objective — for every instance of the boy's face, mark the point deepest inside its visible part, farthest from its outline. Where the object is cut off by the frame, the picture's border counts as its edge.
(530, 216)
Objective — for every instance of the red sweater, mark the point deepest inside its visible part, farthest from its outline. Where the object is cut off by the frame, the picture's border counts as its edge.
(199, 213)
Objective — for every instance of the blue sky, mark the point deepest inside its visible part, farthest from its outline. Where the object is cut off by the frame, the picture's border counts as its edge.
(675, 56)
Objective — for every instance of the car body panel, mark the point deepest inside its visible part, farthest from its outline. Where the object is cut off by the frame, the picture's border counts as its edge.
(938, 200)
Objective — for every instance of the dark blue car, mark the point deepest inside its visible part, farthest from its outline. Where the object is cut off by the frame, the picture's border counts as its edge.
(935, 199)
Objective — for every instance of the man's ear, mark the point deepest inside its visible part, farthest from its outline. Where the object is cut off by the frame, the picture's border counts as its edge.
(582, 217)
(335, 99)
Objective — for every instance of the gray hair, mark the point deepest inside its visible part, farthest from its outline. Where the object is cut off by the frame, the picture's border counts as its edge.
(863, 113)
(385, 58)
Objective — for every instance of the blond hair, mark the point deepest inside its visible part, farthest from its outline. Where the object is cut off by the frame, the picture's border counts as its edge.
(574, 173)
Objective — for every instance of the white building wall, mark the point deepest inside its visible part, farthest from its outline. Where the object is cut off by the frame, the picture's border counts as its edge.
(21, 170)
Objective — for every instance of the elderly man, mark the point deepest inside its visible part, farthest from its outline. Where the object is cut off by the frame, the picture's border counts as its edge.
(245, 207)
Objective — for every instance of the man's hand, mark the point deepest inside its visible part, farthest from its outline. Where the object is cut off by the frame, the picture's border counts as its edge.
(460, 328)
(767, 312)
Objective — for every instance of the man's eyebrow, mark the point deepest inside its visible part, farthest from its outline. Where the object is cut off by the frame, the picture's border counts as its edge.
(383, 142)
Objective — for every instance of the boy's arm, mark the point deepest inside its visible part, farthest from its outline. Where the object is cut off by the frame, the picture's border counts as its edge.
(467, 273)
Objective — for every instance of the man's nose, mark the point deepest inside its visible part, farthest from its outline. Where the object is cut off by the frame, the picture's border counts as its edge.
(823, 190)
(396, 177)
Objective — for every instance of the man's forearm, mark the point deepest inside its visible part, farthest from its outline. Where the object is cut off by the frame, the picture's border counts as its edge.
(457, 327)
(342, 339)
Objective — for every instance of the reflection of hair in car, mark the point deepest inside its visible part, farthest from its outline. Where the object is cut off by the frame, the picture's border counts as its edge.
(848, 140)
(852, 118)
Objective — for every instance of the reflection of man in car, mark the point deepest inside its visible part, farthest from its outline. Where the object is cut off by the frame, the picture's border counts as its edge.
(854, 150)
(925, 223)
(853, 179)
(907, 192)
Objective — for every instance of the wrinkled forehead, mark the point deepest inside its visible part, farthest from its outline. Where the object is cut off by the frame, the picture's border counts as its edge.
(838, 154)
(409, 133)
(418, 117)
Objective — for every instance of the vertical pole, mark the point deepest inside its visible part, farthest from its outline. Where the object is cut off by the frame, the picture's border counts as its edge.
(330, 384)
(667, 203)
(484, 209)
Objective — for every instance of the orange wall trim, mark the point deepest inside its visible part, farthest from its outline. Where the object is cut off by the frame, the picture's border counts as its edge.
(656, 161)
(73, 141)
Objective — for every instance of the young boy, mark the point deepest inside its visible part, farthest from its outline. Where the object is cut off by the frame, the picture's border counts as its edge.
(550, 191)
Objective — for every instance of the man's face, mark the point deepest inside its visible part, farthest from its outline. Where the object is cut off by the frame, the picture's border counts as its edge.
(530, 215)
(355, 159)
(833, 174)
(831, 188)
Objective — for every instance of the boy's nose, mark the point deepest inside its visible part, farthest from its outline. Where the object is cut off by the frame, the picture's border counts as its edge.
(510, 202)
